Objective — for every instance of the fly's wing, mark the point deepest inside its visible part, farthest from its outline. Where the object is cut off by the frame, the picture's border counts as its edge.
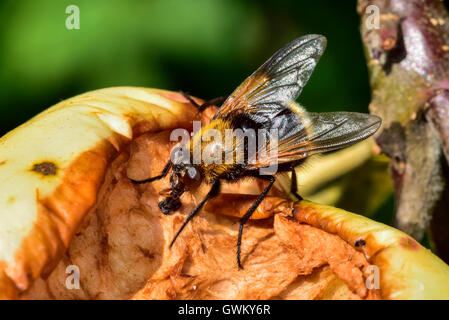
(262, 95)
(318, 133)
(267, 96)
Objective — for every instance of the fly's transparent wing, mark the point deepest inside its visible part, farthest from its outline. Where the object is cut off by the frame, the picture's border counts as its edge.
(282, 78)
(322, 132)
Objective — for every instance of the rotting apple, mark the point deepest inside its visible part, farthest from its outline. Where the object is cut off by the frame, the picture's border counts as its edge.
(66, 199)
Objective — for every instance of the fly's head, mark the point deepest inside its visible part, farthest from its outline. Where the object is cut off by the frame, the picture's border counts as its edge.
(184, 176)
(172, 195)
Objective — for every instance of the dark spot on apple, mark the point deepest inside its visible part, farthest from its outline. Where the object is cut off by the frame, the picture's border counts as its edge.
(147, 253)
(360, 243)
(46, 168)
(408, 243)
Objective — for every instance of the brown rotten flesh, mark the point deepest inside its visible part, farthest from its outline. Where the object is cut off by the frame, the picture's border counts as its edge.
(120, 242)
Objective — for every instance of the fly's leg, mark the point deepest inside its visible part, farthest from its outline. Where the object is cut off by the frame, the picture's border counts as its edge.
(294, 187)
(211, 102)
(212, 193)
(249, 213)
(163, 174)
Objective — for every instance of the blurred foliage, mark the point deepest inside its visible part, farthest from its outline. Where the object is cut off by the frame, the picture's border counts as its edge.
(368, 188)
(203, 47)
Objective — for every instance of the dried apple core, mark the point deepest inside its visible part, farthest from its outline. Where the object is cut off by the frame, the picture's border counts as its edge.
(120, 250)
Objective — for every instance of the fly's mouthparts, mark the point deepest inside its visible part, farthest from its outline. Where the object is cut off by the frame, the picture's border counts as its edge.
(169, 204)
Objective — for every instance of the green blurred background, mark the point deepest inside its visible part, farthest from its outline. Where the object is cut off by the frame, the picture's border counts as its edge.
(204, 47)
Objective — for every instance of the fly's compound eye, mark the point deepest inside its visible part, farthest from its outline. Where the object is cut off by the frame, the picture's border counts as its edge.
(180, 155)
(192, 179)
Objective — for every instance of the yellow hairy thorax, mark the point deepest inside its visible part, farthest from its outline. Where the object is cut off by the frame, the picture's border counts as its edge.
(215, 149)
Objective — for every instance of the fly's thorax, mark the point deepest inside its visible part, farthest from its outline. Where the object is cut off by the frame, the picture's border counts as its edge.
(212, 143)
